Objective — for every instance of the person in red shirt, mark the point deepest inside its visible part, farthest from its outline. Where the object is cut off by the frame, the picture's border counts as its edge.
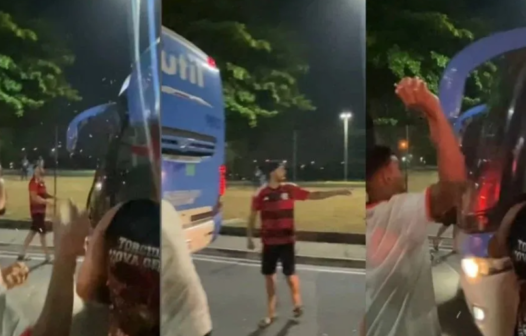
(275, 202)
(38, 201)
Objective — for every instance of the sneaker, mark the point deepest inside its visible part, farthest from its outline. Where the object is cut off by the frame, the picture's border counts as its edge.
(298, 311)
(267, 321)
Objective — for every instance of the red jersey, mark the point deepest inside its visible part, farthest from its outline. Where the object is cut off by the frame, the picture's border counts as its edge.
(277, 212)
(38, 187)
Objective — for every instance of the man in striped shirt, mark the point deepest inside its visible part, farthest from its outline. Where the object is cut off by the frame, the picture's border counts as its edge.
(275, 201)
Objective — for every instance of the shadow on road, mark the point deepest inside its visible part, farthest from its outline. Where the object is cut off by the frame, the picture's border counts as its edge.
(282, 332)
(456, 319)
(34, 267)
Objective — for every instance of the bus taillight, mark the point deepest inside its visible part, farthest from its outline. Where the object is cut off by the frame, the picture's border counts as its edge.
(212, 62)
(222, 180)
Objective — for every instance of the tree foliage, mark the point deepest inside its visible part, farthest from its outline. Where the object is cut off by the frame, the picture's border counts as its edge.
(418, 38)
(32, 62)
(260, 64)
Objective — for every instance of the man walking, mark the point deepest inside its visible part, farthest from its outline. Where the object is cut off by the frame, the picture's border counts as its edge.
(399, 292)
(38, 201)
(275, 201)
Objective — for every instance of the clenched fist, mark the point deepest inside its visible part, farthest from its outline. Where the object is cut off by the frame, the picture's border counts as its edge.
(14, 275)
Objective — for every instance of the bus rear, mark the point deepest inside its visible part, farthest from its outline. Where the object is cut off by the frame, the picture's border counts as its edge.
(193, 138)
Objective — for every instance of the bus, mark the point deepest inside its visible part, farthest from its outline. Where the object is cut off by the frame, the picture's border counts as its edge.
(193, 174)
(492, 141)
(193, 138)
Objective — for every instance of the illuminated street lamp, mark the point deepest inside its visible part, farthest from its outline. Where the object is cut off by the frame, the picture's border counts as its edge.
(345, 116)
(403, 145)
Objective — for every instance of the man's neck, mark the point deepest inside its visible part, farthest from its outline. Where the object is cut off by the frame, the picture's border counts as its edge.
(274, 184)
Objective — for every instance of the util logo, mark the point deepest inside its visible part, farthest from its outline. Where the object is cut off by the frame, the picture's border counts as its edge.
(186, 67)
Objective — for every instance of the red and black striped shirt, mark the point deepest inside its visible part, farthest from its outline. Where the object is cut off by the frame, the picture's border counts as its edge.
(277, 212)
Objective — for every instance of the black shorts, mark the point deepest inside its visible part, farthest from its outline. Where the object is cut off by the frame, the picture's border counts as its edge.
(272, 254)
(38, 223)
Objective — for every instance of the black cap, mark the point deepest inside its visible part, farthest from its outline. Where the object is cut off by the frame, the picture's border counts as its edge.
(268, 167)
(377, 158)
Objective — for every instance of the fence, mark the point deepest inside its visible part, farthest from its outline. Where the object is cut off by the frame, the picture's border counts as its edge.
(314, 153)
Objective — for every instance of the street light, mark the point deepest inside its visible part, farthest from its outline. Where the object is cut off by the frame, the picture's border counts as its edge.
(403, 145)
(345, 116)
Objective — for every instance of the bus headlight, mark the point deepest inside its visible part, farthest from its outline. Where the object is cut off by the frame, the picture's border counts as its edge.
(478, 314)
(470, 267)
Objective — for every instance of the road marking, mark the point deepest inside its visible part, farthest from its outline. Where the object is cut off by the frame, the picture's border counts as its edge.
(244, 262)
(31, 256)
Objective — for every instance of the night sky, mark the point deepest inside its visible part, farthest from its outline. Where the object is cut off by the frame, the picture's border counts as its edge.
(333, 32)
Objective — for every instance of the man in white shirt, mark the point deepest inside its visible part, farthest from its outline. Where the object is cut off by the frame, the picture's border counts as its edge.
(399, 287)
(184, 304)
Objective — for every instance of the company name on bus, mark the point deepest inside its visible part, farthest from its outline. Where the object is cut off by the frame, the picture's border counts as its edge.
(186, 67)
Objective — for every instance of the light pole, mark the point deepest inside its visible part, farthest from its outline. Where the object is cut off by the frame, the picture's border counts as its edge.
(345, 116)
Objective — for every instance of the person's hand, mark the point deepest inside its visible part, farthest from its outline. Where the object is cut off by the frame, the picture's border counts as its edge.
(345, 192)
(14, 275)
(72, 229)
(415, 94)
(250, 244)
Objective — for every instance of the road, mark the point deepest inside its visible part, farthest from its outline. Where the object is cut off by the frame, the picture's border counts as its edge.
(333, 300)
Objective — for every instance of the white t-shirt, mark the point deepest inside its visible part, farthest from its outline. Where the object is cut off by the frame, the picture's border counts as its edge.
(400, 299)
(184, 304)
(11, 323)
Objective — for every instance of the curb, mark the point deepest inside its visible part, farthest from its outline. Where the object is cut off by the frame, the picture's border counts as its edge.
(15, 248)
(306, 260)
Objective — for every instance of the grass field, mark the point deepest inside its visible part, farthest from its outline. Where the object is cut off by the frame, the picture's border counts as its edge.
(338, 214)
(75, 188)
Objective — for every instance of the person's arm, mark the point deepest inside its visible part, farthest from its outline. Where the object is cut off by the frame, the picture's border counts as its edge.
(57, 313)
(445, 194)
(498, 247)
(255, 208)
(37, 199)
(321, 195)
(55, 318)
(300, 194)
(92, 276)
(2, 195)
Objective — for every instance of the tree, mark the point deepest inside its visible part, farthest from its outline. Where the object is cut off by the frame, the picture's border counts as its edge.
(32, 62)
(417, 38)
(260, 64)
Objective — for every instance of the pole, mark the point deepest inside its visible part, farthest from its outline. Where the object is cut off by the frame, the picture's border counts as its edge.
(406, 166)
(345, 147)
(294, 155)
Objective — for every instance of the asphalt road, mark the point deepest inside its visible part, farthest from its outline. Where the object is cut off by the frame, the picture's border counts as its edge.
(333, 299)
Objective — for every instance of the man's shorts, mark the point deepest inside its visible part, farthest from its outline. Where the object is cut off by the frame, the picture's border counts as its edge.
(38, 223)
(272, 254)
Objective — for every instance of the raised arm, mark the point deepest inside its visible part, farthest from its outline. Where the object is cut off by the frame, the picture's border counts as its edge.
(445, 194)
(56, 316)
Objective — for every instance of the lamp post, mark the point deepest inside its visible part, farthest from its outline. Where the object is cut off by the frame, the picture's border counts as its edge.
(403, 146)
(345, 116)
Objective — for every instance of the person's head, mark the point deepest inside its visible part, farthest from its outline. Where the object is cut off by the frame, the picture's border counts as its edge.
(133, 243)
(38, 172)
(274, 171)
(384, 178)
